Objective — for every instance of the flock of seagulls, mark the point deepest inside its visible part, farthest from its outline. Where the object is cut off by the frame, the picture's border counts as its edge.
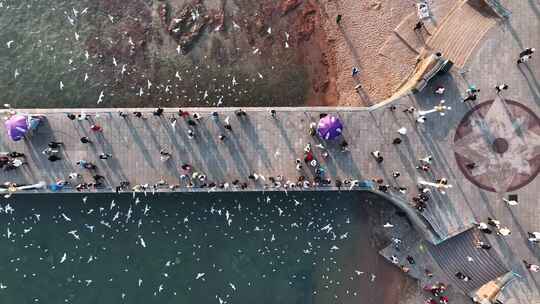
(108, 73)
(226, 246)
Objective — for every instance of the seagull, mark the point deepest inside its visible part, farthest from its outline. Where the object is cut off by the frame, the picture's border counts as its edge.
(16, 74)
(287, 36)
(286, 45)
(146, 209)
(232, 286)
(84, 11)
(61, 85)
(334, 248)
(388, 225)
(510, 202)
(66, 217)
(260, 75)
(91, 228)
(160, 288)
(9, 233)
(234, 81)
(142, 241)
(199, 275)
(100, 99)
(114, 62)
(123, 69)
(358, 272)
(139, 283)
(87, 55)
(280, 211)
(84, 199)
(111, 18)
(27, 230)
(77, 36)
(112, 205)
(149, 84)
(177, 75)
(2, 286)
(85, 77)
(236, 26)
(344, 236)
(74, 233)
(71, 20)
(273, 238)
(470, 259)
(178, 49)
(63, 259)
(269, 31)
(128, 215)
(141, 92)
(75, 12)
(116, 216)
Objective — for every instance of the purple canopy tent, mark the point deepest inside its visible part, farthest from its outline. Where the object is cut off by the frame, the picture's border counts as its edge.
(330, 127)
(19, 125)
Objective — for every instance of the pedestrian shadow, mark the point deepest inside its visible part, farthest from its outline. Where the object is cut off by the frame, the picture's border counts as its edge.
(534, 7)
(531, 80)
(351, 47)
(211, 156)
(251, 133)
(514, 34)
(140, 144)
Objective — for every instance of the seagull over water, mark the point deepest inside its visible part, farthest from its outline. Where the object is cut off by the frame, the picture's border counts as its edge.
(9, 44)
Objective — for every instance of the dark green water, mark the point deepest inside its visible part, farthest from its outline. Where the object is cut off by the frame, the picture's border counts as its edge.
(119, 48)
(274, 250)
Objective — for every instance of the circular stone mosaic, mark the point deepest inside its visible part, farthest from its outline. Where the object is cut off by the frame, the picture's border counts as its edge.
(497, 145)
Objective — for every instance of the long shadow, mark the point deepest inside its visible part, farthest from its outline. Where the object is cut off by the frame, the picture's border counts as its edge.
(532, 82)
(354, 53)
(252, 135)
(515, 35)
(140, 143)
(212, 158)
(534, 8)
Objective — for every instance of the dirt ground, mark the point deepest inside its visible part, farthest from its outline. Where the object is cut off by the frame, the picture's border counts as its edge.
(246, 53)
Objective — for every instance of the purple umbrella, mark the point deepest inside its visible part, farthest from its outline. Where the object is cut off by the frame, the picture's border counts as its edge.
(17, 127)
(330, 127)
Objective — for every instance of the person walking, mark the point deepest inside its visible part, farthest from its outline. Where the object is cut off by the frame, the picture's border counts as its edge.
(470, 97)
(397, 141)
(96, 128)
(418, 26)
(524, 59)
(53, 157)
(273, 113)
(158, 112)
(499, 88)
(527, 51)
(396, 174)
(85, 140)
(355, 71)
(104, 156)
(227, 124)
(482, 245)
(338, 19)
(55, 144)
(378, 156)
(531, 267)
(138, 114)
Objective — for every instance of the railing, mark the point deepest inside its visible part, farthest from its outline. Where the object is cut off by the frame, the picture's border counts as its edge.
(498, 8)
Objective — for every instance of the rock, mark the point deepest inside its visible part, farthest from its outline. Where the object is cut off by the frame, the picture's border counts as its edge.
(288, 5)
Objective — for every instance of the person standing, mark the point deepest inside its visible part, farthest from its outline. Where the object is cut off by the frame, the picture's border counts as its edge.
(338, 19)
(531, 267)
(418, 26)
(499, 88)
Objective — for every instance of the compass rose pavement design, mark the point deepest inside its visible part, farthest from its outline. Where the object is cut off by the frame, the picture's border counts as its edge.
(497, 145)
